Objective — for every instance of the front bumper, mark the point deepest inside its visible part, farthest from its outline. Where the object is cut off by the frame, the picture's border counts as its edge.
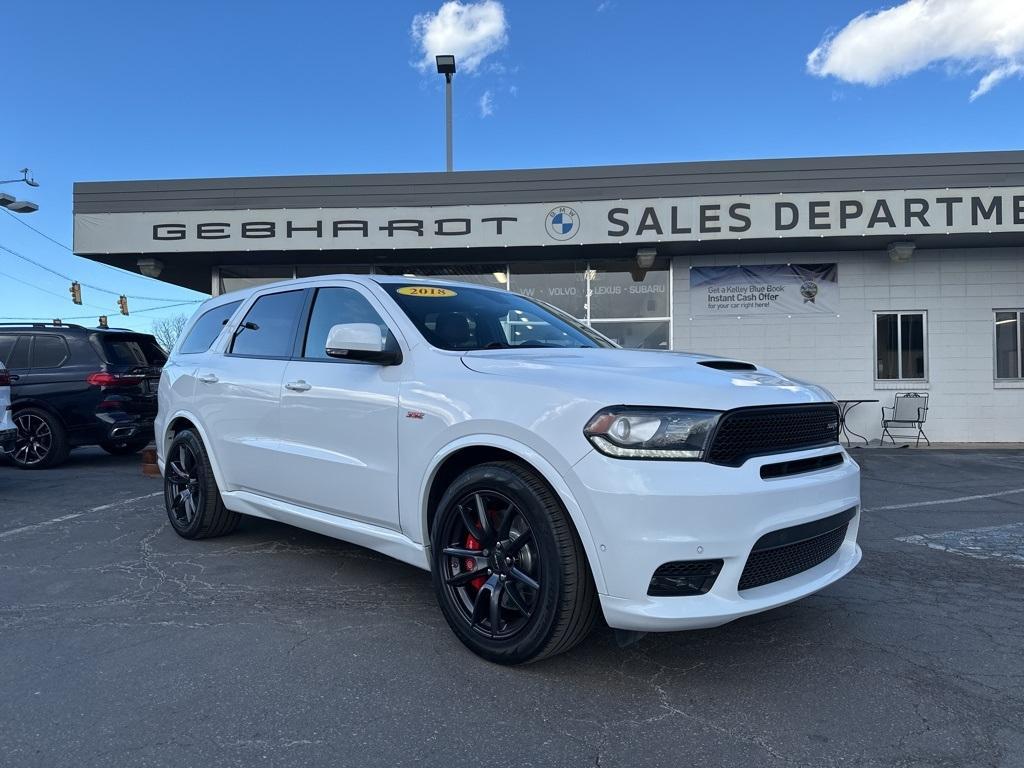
(643, 514)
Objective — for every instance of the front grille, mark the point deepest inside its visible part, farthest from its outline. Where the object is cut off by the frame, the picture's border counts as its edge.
(787, 552)
(748, 432)
(684, 577)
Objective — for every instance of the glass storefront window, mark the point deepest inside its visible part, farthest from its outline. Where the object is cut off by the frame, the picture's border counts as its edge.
(619, 289)
(237, 278)
(315, 270)
(636, 334)
(559, 283)
(491, 275)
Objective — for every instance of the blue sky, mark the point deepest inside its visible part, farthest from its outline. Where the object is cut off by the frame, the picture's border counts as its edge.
(130, 90)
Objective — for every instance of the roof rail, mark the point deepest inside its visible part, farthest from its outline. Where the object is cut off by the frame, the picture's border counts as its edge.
(40, 325)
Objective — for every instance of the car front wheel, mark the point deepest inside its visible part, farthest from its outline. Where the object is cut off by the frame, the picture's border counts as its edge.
(194, 505)
(509, 570)
(41, 442)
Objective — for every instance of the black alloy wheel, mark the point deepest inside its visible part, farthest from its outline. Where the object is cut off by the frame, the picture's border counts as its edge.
(509, 570)
(491, 572)
(193, 501)
(183, 486)
(40, 442)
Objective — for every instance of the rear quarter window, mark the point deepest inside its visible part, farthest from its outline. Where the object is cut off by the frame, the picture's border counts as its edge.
(207, 328)
(49, 352)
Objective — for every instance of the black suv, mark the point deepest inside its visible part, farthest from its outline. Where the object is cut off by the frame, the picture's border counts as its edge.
(73, 386)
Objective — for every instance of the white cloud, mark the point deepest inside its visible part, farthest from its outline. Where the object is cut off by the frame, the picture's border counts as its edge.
(487, 104)
(470, 31)
(974, 35)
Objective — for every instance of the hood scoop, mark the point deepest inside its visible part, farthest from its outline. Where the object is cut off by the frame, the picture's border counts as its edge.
(728, 365)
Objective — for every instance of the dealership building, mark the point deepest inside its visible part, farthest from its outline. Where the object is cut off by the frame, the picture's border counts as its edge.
(869, 275)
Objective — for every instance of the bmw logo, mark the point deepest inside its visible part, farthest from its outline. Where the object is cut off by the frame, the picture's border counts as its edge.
(562, 223)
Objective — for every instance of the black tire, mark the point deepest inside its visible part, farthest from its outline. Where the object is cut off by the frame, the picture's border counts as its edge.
(125, 447)
(41, 442)
(533, 622)
(191, 497)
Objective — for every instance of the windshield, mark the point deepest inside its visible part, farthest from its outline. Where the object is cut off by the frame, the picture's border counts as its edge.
(463, 318)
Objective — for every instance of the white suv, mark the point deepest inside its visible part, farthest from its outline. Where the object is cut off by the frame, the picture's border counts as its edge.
(8, 432)
(542, 475)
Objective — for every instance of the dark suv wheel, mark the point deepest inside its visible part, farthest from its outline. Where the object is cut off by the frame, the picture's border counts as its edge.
(193, 502)
(41, 442)
(509, 570)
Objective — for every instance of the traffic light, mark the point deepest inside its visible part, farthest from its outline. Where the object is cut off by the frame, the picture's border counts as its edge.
(76, 292)
(103, 321)
(123, 304)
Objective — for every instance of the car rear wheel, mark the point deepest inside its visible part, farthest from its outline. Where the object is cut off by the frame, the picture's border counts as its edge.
(194, 505)
(124, 447)
(41, 442)
(509, 570)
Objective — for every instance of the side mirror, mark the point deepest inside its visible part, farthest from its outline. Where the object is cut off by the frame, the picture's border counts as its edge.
(362, 341)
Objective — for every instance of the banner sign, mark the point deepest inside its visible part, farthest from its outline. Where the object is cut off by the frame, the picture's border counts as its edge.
(764, 289)
(733, 217)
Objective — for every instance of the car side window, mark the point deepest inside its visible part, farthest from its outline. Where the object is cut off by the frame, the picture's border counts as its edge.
(268, 329)
(49, 352)
(14, 351)
(207, 328)
(331, 307)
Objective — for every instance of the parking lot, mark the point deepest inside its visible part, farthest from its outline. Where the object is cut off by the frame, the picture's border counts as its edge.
(123, 644)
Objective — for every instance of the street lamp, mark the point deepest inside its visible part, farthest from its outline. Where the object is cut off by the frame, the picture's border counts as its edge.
(16, 206)
(446, 67)
(25, 178)
(19, 206)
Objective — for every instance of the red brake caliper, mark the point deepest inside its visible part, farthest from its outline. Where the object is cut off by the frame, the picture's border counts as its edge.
(469, 564)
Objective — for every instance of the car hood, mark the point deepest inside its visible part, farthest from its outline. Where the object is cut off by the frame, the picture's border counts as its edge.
(639, 377)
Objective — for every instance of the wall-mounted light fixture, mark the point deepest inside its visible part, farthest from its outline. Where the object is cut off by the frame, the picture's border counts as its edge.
(900, 252)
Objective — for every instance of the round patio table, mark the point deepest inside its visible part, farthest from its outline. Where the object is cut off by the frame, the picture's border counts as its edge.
(845, 406)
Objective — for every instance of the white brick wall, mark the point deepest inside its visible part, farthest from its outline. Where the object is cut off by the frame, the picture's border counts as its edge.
(959, 289)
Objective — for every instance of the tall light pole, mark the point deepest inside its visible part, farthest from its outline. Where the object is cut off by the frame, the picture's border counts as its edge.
(446, 67)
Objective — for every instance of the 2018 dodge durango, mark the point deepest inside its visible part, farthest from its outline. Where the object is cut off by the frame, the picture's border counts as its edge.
(542, 475)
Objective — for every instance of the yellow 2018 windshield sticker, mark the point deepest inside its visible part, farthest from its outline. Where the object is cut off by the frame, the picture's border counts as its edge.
(426, 291)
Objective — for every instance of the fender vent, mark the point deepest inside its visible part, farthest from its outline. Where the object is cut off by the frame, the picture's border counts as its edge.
(728, 365)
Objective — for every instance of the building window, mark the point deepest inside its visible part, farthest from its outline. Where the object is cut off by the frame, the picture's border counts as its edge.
(561, 284)
(900, 344)
(237, 278)
(1009, 347)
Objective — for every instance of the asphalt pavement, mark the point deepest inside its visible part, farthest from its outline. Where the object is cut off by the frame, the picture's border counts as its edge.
(124, 645)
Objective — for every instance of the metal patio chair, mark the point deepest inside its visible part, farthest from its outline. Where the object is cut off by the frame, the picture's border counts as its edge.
(909, 411)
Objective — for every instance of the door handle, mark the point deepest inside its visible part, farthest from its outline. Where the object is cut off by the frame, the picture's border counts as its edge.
(208, 378)
(14, 377)
(298, 386)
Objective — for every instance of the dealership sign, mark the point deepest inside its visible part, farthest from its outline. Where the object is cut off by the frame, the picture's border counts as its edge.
(732, 217)
(764, 289)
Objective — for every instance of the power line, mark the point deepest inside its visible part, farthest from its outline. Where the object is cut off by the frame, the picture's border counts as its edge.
(38, 232)
(44, 290)
(86, 317)
(86, 285)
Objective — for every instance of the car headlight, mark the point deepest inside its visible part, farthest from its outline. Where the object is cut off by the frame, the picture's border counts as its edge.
(651, 433)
